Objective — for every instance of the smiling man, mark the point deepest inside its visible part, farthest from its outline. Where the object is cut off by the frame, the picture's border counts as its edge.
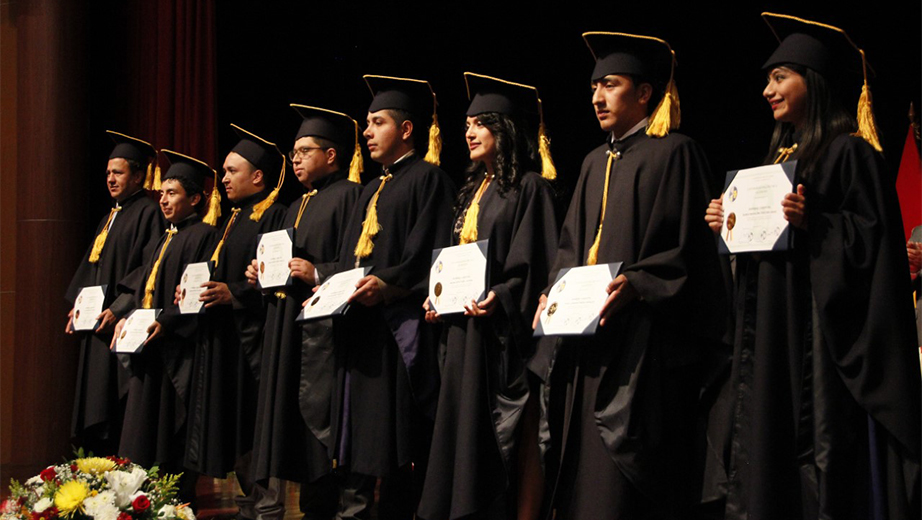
(630, 390)
(116, 250)
(385, 403)
(154, 431)
(227, 356)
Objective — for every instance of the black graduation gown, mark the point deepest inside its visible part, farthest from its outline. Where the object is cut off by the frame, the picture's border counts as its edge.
(484, 386)
(386, 354)
(100, 378)
(158, 389)
(622, 403)
(297, 371)
(225, 380)
(824, 341)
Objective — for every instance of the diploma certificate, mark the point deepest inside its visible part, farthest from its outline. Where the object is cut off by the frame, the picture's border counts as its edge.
(190, 287)
(331, 297)
(273, 253)
(457, 276)
(753, 216)
(87, 306)
(134, 333)
(575, 300)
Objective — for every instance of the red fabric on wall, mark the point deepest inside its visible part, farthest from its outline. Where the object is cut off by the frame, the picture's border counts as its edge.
(909, 184)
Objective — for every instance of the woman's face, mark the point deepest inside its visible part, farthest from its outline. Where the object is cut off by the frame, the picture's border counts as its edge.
(480, 142)
(786, 92)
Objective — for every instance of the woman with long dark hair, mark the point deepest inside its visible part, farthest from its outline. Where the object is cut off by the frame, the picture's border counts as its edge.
(476, 459)
(825, 372)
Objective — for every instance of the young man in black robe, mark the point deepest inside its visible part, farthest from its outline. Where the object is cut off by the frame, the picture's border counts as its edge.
(158, 390)
(116, 251)
(292, 440)
(622, 402)
(388, 375)
(227, 354)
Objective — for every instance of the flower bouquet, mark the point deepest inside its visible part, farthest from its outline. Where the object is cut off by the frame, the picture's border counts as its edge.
(108, 488)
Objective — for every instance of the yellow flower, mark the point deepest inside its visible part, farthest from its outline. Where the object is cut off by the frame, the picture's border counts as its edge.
(95, 465)
(69, 497)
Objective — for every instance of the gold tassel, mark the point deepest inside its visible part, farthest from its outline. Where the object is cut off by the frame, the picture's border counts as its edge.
(260, 207)
(867, 128)
(667, 116)
(217, 249)
(304, 200)
(435, 142)
(357, 164)
(152, 279)
(157, 183)
(370, 227)
(594, 249)
(469, 228)
(101, 237)
(214, 207)
(548, 170)
(149, 177)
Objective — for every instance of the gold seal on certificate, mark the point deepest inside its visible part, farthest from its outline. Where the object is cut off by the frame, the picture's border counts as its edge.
(457, 276)
(273, 253)
(575, 300)
(752, 205)
(336, 291)
(88, 305)
(134, 332)
(191, 287)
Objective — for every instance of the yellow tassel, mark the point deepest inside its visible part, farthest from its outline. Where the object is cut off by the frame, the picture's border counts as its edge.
(356, 165)
(100, 241)
(370, 227)
(214, 207)
(157, 183)
(260, 207)
(152, 278)
(230, 222)
(469, 229)
(667, 116)
(548, 170)
(148, 177)
(867, 128)
(593, 256)
(435, 142)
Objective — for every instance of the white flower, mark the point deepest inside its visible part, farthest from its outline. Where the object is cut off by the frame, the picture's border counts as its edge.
(34, 481)
(185, 513)
(168, 511)
(106, 512)
(125, 484)
(42, 504)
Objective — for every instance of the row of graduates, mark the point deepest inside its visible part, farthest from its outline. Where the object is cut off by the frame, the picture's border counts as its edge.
(467, 416)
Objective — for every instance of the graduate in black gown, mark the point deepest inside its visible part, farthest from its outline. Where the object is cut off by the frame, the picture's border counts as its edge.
(117, 250)
(227, 353)
(386, 356)
(474, 458)
(826, 421)
(623, 402)
(158, 389)
(292, 440)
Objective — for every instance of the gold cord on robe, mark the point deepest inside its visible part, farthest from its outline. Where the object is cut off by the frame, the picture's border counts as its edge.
(152, 279)
(100, 241)
(230, 222)
(594, 250)
(469, 229)
(370, 226)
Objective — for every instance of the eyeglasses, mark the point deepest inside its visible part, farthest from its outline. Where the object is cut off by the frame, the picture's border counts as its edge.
(303, 151)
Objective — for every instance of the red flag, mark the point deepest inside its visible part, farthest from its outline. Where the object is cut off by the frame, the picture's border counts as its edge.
(909, 185)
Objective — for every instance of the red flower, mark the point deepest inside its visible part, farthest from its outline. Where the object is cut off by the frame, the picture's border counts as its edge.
(124, 516)
(48, 474)
(73, 468)
(140, 504)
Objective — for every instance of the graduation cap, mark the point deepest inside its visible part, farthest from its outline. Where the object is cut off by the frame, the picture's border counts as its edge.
(489, 94)
(644, 56)
(411, 95)
(333, 126)
(195, 172)
(830, 52)
(142, 152)
(265, 156)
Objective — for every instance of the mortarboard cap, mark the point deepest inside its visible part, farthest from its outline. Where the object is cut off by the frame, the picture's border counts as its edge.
(411, 95)
(142, 152)
(195, 171)
(644, 56)
(334, 126)
(489, 94)
(265, 156)
(830, 52)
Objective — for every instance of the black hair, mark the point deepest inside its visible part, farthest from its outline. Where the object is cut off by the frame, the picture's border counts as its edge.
(657, 90)
(191, 188)
(342, 155)
(516, 154)
(825, 119)
(135, 167)
(420, 134)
